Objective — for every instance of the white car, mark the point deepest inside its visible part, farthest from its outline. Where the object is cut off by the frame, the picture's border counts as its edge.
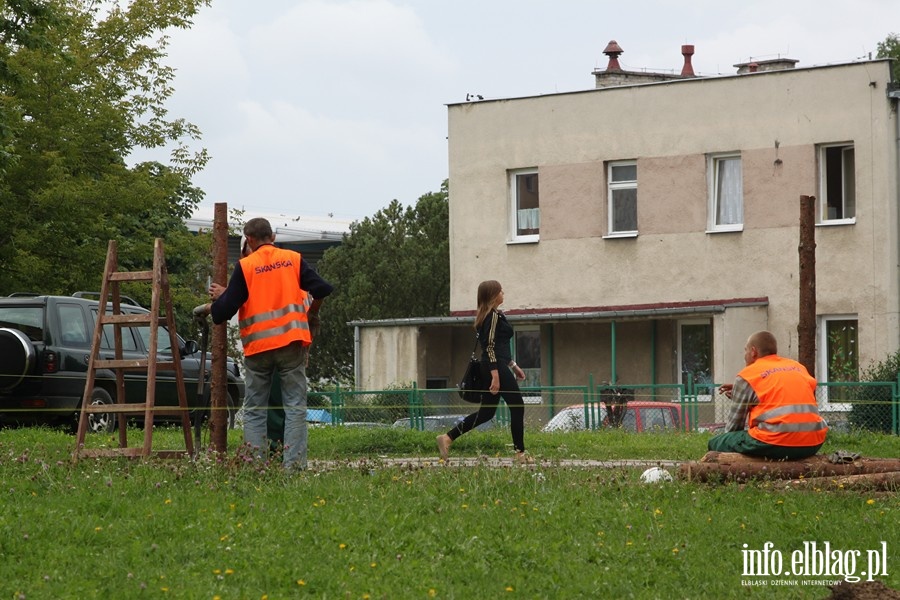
(640, 415)
(441, 423)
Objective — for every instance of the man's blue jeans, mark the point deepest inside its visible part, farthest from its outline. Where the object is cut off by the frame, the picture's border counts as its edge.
(290, 363)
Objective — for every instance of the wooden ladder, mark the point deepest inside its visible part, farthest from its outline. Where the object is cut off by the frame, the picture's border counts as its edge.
(159, 280)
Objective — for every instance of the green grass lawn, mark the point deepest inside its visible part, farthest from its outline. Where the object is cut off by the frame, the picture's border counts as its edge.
(228, 528)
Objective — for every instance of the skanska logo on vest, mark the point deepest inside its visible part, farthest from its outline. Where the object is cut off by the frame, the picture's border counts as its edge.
(278, 264)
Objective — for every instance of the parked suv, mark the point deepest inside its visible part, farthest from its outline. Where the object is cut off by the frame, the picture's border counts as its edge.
(45, 345)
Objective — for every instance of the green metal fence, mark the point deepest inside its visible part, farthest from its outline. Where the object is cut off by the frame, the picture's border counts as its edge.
(872, 406)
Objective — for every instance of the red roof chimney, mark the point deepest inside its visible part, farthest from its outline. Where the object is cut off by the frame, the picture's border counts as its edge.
(687, 51)
(613, 50)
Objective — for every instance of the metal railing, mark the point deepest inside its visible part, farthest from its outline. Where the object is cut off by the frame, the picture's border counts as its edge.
(872, 406)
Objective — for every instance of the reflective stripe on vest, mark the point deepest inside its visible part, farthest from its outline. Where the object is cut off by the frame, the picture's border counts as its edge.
(762, 420)
(271, 332)
(274, 314)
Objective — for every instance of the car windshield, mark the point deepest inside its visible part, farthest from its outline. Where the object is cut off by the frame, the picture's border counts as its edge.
(656, 419)
(27, 319)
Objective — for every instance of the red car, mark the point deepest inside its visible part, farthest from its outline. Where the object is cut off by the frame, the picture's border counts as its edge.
(640, 416)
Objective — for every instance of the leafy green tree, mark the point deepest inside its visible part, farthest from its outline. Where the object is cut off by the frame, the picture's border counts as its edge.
(393, 265)
(890, 48)
(82, 84)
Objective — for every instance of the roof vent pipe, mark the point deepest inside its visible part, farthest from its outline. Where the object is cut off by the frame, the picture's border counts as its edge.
(687, 51)
(752, 67)
(613, 50)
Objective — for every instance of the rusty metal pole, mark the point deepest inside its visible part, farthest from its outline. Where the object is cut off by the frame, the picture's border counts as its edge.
(219, 421)
(806, 327)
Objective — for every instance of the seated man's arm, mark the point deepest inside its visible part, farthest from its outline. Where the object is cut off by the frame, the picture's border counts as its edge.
(742, 398)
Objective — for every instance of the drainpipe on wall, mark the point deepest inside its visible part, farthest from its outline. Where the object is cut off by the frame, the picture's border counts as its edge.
(894, 94)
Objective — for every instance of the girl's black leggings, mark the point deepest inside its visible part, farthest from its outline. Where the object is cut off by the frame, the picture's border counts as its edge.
(509, 391)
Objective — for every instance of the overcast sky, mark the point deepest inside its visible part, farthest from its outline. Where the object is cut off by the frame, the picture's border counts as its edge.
(311, 108)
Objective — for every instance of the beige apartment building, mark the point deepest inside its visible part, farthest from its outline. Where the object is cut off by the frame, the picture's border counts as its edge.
(644, 228)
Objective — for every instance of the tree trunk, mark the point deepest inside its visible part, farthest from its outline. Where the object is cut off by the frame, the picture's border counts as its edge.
(731, 466)
(806, 326)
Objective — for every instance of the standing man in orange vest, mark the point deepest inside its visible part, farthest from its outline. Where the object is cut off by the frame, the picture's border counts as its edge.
(774, 412)
(268, 290)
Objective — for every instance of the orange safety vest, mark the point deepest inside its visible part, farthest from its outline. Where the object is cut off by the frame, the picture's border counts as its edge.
(274, 314)
(787, 413)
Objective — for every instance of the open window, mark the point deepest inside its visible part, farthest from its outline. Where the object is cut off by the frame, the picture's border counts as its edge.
(837, 183)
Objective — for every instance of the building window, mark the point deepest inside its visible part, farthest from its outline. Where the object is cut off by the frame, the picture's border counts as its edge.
(840, 359)
(525, 218)
(622, 195)
(726, 193)
(527, 354)
(695, 352)
(837, 187)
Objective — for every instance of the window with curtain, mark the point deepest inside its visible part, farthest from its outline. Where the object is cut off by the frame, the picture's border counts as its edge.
(525, 205)
(726, 193)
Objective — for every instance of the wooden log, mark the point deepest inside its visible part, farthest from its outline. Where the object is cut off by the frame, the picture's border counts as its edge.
(730, 466)
(866, 481)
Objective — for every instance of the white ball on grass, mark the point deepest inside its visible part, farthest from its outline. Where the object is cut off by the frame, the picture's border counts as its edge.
(655, 475)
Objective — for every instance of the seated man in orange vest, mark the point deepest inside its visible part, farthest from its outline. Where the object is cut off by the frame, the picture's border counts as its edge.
(774, 412)
(268, 290)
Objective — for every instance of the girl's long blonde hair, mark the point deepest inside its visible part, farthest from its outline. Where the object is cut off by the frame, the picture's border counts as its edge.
(488, 292)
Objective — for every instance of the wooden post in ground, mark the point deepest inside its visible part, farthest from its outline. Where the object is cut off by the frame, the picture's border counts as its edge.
(806, 326)
(219, 418)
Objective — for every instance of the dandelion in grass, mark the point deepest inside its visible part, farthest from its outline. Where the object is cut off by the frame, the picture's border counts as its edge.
(432, 592)
(870, 501)
(509, 588)
(342, 546)
(168, 501)
(229, 571)
(373, 565)
(301, 582)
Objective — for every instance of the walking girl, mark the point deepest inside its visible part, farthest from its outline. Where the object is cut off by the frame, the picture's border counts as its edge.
(495, 334)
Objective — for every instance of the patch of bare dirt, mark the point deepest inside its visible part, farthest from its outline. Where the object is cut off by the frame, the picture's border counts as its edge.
(863, 590)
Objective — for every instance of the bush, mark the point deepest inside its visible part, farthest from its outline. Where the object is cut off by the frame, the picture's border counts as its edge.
(872, 410)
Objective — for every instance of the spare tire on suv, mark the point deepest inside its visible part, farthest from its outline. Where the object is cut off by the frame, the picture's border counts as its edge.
(18, 358)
